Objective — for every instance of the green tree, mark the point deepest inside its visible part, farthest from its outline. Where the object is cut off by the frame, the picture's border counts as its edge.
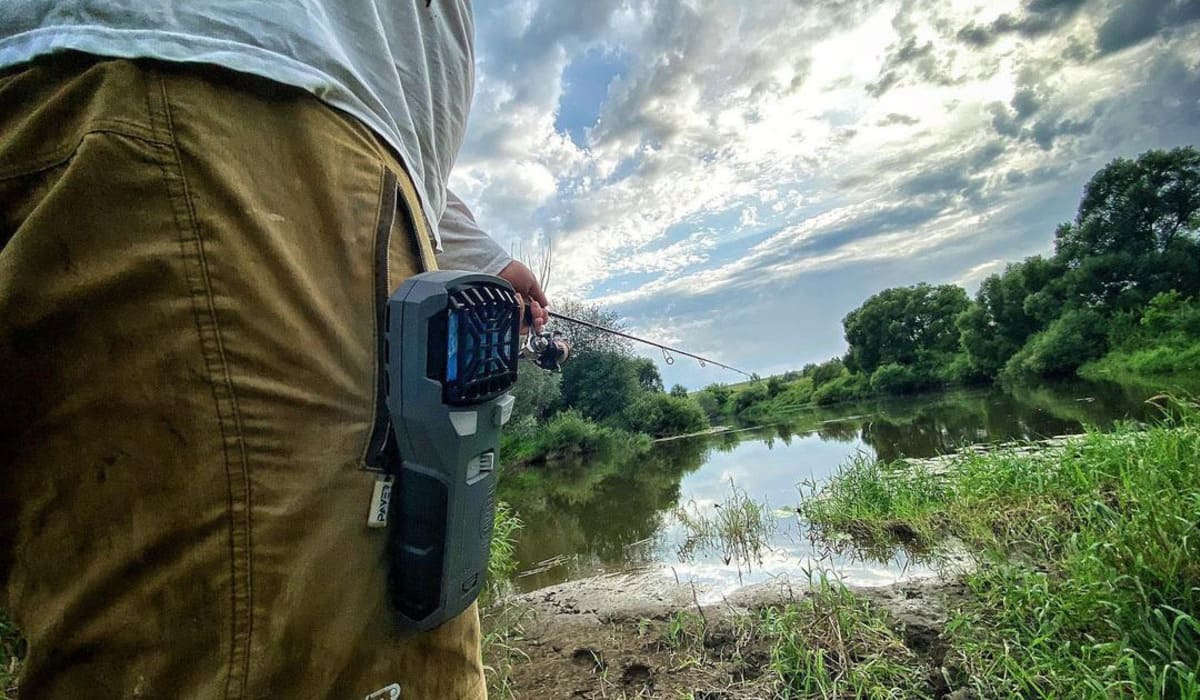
(898, 379)
(1134, 234)
(536, 393)
(995, 326)
(774, 386)
(647, 374)
(600, 384)
(826, 371)
(708, 403)
(679, 391)
(906, 326)
(750, 395)
(585, 340)
(1169, 315)
(720, 394)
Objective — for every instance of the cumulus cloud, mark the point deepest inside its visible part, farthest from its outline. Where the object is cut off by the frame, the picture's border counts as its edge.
(744, 150)
(1036, 18)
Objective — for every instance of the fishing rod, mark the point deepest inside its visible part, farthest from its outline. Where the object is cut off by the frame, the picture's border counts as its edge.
(559, 354)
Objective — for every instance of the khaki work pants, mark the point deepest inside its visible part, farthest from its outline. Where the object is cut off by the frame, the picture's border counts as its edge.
(192, 266)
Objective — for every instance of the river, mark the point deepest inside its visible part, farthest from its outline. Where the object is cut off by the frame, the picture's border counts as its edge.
(607, 515)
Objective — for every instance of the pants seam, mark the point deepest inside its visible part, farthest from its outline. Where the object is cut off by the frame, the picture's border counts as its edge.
(48, 159)
(220, 381)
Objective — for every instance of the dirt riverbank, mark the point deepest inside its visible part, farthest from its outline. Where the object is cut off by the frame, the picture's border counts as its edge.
(640, 636)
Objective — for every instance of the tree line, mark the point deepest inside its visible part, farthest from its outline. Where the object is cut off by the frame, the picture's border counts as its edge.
(1131, 247)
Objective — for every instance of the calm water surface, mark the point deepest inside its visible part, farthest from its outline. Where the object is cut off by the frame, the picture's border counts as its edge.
(608, 515)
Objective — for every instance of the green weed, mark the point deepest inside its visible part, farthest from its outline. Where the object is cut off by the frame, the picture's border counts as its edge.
(686, 630)
(502, 626)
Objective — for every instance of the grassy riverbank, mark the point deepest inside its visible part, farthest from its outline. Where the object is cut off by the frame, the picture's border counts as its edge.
(1088, 583)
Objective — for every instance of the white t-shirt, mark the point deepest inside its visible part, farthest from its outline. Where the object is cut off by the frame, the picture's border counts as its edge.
(405, 68)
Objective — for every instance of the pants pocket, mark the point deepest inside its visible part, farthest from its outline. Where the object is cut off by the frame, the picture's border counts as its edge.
(380, 448)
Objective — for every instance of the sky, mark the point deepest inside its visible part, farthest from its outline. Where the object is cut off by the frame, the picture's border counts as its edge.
(733, 178)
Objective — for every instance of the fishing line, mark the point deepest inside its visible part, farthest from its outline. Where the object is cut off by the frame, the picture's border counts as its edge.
(667, 350)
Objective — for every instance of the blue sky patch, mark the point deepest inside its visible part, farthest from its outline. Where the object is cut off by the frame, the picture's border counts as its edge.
(585, 86)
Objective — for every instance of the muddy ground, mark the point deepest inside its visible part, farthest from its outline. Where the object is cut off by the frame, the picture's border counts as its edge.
(640, 636)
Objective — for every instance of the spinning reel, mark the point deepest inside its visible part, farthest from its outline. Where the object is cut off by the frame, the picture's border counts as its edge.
(547, 350)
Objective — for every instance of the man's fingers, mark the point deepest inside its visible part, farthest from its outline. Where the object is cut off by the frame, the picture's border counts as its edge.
(524, 281)
(526, 286)
(533, 316)
(535, 291)
(539, 315)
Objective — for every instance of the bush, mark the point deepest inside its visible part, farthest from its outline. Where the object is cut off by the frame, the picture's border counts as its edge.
(569, 431)
(536, 393)
(1169, 315)
(1071, 340)
(565, 434)
(845, 388)
(792, 397)
(708, 403)
(826, 371)
(898, 379)
(1165, 340)
(961, 370)
(661, 415)
(749, 396)
(795, 394)
(720, 394)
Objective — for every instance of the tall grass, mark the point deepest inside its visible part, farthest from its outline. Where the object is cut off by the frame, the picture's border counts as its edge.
(502, 562)
(834, 644)
(501, 621)
(738, 527)
(12, 649)
(1088, 578)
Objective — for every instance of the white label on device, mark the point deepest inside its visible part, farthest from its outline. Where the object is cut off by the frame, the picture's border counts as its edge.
(392, 692)
(381, 498)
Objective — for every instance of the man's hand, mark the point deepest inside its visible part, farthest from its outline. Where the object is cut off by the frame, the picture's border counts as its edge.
(522, 280)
